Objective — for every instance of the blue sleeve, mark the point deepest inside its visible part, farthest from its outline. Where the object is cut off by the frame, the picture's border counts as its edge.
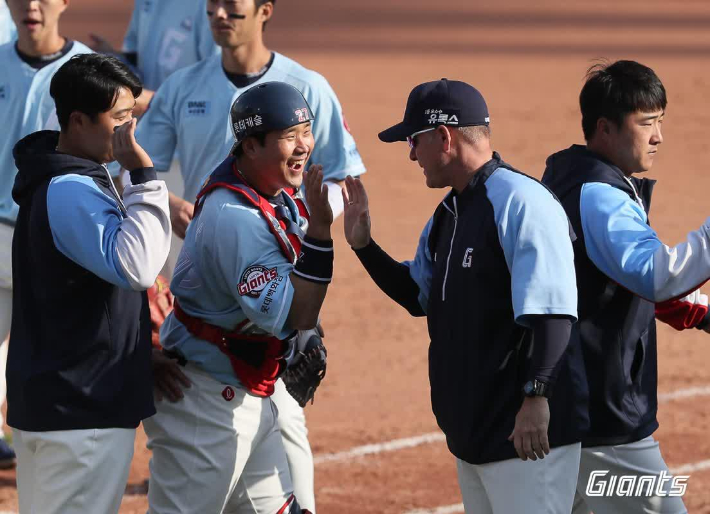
(156, 130)
(625, 248)
(420, 269)
(84, 223)
(251, 262)
(335, 147)
(534, 233)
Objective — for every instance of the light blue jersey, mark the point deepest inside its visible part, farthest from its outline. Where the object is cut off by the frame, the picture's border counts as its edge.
(25, 107)
(167, 36)
(533, 232)
(189, 118)
(230, 269)
(8, 31)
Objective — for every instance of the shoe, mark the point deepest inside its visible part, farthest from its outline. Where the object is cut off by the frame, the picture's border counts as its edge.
(8, 459)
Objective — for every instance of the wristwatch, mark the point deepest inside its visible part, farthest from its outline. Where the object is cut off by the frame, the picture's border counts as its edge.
(537, 388)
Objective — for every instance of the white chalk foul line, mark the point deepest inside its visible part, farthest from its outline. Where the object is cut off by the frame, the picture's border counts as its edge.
(448, 509)
(387, 446)
(437, 437)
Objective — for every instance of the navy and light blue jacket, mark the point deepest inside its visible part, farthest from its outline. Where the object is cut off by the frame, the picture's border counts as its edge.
(494, 259)
(82, 259)
(624, 271)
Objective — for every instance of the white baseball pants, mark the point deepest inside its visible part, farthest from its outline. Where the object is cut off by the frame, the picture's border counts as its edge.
(218, 450)
(72, 471)
(641, 458)
(544, 486)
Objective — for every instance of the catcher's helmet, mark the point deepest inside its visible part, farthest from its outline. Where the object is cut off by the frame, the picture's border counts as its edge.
(266, 107)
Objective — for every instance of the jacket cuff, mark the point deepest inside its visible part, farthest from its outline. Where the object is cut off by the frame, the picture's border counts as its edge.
(142, 175)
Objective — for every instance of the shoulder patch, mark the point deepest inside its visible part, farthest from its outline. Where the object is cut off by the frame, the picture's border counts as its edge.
(254, 280)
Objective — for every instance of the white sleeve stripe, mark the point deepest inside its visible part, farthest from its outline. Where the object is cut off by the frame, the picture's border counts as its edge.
(310, 277)
(319, 248)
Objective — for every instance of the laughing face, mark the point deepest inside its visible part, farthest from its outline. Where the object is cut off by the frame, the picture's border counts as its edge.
(37, 20)
(282, 159)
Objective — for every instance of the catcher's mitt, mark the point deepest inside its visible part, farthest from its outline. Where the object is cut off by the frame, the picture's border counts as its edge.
(307, 369)
(160, 300)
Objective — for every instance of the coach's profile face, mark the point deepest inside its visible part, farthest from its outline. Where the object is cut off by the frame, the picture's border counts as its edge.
(93, 137)
(36, 19)
(236, 23)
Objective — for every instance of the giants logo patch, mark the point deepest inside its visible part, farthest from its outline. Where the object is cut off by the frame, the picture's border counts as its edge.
(254, 280)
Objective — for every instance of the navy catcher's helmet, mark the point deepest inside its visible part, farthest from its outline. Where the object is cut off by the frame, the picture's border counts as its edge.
(266, 107)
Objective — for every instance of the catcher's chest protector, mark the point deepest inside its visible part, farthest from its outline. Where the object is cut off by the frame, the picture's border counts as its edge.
(258, 377)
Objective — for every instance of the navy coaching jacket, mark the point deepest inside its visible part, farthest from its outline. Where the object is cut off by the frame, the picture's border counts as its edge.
(491, 256)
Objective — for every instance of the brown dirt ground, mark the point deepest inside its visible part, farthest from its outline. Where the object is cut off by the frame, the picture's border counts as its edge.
(529, 60)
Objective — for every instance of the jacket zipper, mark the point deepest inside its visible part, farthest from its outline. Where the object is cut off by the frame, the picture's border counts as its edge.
(451, 249)
(121, 205)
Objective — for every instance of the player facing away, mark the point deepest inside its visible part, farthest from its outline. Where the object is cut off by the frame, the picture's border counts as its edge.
(247, 278)
(79, 370)
(494, 275)
(186, 120)
(28, 64)
(626, 277)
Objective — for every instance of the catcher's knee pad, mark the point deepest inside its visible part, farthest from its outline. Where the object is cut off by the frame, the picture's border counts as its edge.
(292, 507)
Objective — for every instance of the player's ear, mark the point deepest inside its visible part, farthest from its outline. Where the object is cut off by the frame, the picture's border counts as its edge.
(249, 147)
(265, 12)
(66, 4)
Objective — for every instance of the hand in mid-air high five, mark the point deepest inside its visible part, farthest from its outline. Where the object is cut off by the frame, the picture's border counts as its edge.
(357, 214)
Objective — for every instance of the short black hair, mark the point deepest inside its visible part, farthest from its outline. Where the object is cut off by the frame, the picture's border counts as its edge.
(613, 91)
(90, 83)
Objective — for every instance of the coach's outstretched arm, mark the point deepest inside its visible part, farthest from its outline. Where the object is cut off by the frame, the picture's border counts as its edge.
(394, 278)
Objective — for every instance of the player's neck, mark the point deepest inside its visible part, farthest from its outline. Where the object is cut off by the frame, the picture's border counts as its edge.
(248, 58)
(37, 48)
(255, 180)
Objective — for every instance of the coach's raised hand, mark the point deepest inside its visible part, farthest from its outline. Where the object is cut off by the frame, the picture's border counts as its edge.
(126, 149)
(357, 214)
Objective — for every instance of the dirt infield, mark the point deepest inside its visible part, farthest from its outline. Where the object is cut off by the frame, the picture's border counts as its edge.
(529, 63)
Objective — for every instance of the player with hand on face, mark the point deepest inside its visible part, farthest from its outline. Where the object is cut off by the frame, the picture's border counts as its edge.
(494, 275)
(626, 277)
(79, 379)
(254, 269)
(28, 64)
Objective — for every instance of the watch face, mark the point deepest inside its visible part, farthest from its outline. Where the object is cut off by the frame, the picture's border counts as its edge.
(528, 387)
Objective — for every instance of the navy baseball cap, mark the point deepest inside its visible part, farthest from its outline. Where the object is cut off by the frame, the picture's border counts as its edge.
(442, 102)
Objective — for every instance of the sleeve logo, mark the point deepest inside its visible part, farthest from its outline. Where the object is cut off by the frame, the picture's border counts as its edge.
(254, 280)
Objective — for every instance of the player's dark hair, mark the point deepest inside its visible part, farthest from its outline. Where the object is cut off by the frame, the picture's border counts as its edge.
(90, 83)
(259, 136)
(613, 91)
